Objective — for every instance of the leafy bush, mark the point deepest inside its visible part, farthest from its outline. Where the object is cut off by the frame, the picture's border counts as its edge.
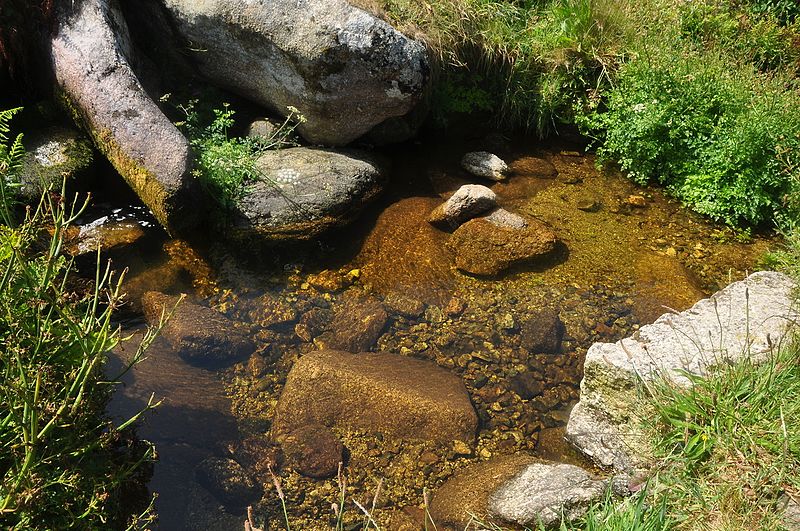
(226, 165)
(715, 137)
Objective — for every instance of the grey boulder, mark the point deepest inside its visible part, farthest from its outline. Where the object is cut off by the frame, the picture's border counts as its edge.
(342, 68)
(485, 164)
(745, 320)
(304, 192)
(53, 155)
(466, 203)
(90, 57)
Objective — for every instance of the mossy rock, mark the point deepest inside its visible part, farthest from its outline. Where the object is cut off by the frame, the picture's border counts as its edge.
(54, 154)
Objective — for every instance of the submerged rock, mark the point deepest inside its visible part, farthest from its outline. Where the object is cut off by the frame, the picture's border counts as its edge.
(405, 255)
(313, 451)
(305, 192)
(201, 335)
(490, 245)
(345, 70)
(469, 490)
(397, 396)
(466, 203)
(228, 482)
(91, 60)
(663, 284)
(54, 155)
(542, 332)
(484, 164)
(356, 325)
(535, 167)
(745, 320)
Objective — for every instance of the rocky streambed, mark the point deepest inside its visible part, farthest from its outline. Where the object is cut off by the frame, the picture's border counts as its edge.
(375, 347)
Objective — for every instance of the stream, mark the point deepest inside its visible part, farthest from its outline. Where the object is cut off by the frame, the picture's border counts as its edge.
(388, 283)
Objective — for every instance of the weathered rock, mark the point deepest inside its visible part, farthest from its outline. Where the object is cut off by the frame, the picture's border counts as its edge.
(357, 324)
(405, 255)
(200, 334)
(401, 397)
(544, 492)
(469, 490)
(53, 155)
(466, 203)
(305, 192)
(105, 234)
(275, 313)
(484, 164)
(345, 70)
(313, 451)
(262, 127)
(489, 246)
(743, 321)
(526, 385)
(90, 57)
(228, 482)
(313, 323)
(542, 332)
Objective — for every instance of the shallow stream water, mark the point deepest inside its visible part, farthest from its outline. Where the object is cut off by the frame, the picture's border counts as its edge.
(627, 256)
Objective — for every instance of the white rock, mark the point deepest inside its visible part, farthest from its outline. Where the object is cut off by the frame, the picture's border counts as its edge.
(485, 164)
(543, 492)
(467, 202)
(747, 319)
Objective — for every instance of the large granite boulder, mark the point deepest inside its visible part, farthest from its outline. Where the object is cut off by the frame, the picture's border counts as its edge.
(345, 70)
(398, 396)
(305, 192)
(517, 489)
(90, 56)
(747, 319)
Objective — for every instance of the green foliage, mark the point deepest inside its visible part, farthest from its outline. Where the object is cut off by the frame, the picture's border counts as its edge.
(63, 465)
(786, 11)
(526, 62)
(226, 165)
(717, 138)
(11, 153)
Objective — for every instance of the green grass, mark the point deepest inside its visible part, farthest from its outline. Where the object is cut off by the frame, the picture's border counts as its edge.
(64, 464)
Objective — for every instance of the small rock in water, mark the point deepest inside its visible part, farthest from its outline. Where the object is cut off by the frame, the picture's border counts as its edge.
(526, 385)
(228, 482)
(327, 280)
(313, 323)
(535, 166)
(542, 332)
(503, 218)
(313, 450)
(467, 202)
(357, 324)
(200, 334)
(485, 248)
(485, 164)
(405, 306)
(588, 205)
(637, 201)
(545, 492)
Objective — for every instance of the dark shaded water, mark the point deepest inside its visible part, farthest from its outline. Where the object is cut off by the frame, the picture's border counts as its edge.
(620, 266)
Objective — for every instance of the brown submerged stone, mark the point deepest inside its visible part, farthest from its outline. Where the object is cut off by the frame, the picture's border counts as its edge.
(200, 334)
(663, 283)
(488, 249)
(356, 325)
(405, 255)
(313, 450)
(398, 396)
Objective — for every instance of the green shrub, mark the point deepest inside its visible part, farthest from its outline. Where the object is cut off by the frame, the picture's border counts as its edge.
(716, 137)
(226, 165)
